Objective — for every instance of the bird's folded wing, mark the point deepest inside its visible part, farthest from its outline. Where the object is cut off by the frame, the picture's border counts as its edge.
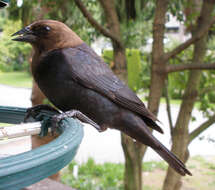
(90, 71)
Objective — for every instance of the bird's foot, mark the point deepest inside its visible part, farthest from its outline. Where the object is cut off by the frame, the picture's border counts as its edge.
(35, 111)
(74, 114)
(43, 113)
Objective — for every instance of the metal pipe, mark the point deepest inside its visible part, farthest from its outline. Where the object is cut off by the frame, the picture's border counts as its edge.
(24, 129)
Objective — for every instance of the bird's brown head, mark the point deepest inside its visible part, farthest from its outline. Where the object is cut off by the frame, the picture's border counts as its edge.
(46, 35)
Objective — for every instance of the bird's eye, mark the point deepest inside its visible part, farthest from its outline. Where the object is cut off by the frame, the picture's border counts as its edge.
(41, 30)
(47, 28)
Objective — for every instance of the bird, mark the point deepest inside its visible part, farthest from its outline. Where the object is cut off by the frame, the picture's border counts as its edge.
(73, 77)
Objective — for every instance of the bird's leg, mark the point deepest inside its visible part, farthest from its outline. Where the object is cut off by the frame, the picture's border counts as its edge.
(35, 110)
(75, 114)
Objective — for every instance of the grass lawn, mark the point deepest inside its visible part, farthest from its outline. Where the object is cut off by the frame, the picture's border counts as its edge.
(203, 170)
(16, 79)
(110, 175)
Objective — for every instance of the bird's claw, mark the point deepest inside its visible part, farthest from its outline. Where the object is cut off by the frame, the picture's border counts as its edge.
(74, 114)
(34, 111)
(55, 122)
(31, 112)
(42, 113)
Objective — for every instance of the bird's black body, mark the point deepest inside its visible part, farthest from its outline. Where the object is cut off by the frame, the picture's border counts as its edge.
(73, 76)
(84, 82)
(76, 78)
(54, 77)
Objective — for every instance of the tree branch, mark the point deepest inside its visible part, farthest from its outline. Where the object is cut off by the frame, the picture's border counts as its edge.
(190, 41)
(168, 107)
(95, 24)
(192, 66)
(201, 128)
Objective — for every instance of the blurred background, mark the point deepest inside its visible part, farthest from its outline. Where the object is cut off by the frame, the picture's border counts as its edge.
(164, 50)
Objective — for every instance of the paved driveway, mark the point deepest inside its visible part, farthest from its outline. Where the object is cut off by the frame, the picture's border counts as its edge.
(101, 146)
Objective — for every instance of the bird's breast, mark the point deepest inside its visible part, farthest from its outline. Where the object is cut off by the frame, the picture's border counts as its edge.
(54, 78)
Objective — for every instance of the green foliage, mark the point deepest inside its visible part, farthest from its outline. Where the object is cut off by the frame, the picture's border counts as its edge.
(14, 56)
(107, 176)
(91, 176)
(152, 165)
(146, 187)
(207, 86)
(176, 8)
(134, 68)
(136, 34)
(107, 56)
(135, 21)
(146, 70)
(177, 80)
(67, 12)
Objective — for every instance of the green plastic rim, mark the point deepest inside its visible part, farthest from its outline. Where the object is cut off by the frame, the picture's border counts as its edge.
(22, 170)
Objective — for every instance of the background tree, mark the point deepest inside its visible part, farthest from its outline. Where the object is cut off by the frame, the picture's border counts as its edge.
(180, 132)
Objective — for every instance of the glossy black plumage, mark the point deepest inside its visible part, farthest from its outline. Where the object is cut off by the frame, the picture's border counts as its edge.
(75, 77)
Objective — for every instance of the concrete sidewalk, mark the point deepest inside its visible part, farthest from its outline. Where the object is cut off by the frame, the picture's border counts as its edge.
(106, 146)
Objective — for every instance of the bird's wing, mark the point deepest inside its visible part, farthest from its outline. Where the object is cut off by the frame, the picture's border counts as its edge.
(89, 70)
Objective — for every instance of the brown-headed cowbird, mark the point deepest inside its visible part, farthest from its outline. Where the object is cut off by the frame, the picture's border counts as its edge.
(73, 76)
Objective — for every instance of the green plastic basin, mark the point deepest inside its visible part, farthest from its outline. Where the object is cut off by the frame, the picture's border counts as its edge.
(22, 170)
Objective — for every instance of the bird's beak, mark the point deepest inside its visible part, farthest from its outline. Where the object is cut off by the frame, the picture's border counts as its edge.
(25, 35)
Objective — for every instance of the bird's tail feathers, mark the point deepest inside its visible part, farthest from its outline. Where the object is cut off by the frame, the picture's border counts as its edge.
(141, 133)
(152, 124)
(172, 160)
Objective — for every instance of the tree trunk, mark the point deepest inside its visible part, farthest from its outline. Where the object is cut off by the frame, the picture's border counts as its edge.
(133, 151)
(119, 67)
(37, 97)
(158, 73)
(133, 162)
(181, 133)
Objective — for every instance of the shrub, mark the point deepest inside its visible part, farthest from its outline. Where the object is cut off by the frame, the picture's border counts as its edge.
(14, 55)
